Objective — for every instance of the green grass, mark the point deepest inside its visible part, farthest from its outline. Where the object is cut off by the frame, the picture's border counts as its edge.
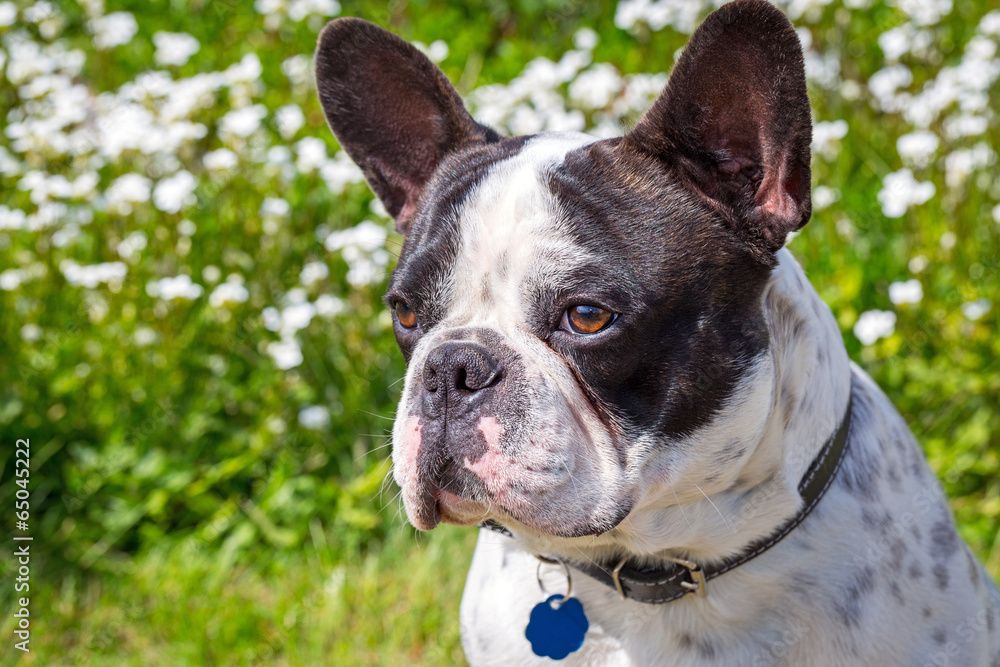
(395, 604)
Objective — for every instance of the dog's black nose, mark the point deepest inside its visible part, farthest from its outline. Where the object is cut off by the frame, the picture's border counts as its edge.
(459, 366)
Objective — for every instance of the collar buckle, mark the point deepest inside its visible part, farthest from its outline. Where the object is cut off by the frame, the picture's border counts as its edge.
(698, 582)
(696, 585)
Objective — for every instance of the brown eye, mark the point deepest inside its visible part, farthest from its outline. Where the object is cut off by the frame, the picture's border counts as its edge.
(587, 319)
(407, 318)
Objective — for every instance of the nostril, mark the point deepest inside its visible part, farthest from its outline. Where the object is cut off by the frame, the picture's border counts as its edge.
(461, 380)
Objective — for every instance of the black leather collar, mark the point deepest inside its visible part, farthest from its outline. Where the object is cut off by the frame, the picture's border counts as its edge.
(660, 584)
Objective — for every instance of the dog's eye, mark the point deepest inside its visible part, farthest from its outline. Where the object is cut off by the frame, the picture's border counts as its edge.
(407, 318)
(586, 319)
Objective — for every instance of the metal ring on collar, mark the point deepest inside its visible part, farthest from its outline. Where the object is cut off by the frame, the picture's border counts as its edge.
(569, 578)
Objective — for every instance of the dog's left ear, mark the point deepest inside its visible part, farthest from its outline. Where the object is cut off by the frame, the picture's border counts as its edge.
(734, 123)
(393, 111)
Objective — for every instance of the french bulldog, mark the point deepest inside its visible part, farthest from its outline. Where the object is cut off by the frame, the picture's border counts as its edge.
(614, 364)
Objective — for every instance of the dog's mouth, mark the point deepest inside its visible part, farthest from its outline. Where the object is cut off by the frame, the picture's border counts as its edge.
(438, 505)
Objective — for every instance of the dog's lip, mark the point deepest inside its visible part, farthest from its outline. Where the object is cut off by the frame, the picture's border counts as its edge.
(459, 511)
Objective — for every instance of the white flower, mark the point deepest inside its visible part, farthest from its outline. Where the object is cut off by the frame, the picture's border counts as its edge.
(823, 197)
(144, 336)
(230, 292)
(312, 154)
(126, 190)
(974, 310)
(924, 12)
(585, 39)
(273, 211)
(874, 324)
(290, 120)
(658, 14)
(186, 228)
(31, 332)
(219, 160)
(313, 272)
(826, 137)
(242, 122)
(174, 192)
(965, 125)
(362, 248)
(896, 41)
(296, 316)
(900, 191)
(596, 86)
(340, 172)
(113, 30)
(286, 353)
(990, 23)
(918, 263)
(366, 234)
(131, 245)
(10, 280)
(8, 14)
(247, 70)
(65, 235)
(885, 84)
(296, 69)
(85, 185)
(14, 218)
(436, 52)
(908, 291)
(917, 148)
(314, 417)
(93, 275)
(174, 48)
(961, 163)
(329, 306)
(178, 287)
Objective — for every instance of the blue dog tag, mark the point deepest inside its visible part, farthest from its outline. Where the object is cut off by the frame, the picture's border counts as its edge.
(555, 632)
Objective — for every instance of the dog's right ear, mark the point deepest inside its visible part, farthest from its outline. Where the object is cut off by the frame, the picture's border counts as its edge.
(393, 110)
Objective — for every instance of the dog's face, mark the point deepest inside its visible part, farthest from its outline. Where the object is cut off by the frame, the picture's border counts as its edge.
(579, 316)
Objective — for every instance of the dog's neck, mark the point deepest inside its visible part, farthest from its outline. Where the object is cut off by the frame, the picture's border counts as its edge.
(781, 415)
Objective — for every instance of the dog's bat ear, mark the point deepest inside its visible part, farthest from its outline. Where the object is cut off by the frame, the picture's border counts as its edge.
(393, 110)
(734, 123)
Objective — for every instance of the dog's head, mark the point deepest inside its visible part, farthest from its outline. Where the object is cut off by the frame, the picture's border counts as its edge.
(581, 318)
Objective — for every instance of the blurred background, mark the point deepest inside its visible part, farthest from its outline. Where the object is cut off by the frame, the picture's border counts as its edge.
(191, 332)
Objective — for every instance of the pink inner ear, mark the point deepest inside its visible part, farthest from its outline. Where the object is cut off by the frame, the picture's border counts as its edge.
(773, 198)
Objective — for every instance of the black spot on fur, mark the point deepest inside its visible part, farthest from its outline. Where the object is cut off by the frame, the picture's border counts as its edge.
(974, 575)
(862, 468)
(850, 607)
(915, 571)
(897, 593)
(703, 648)
(940, 635)
(941, 576)
(897, 549)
